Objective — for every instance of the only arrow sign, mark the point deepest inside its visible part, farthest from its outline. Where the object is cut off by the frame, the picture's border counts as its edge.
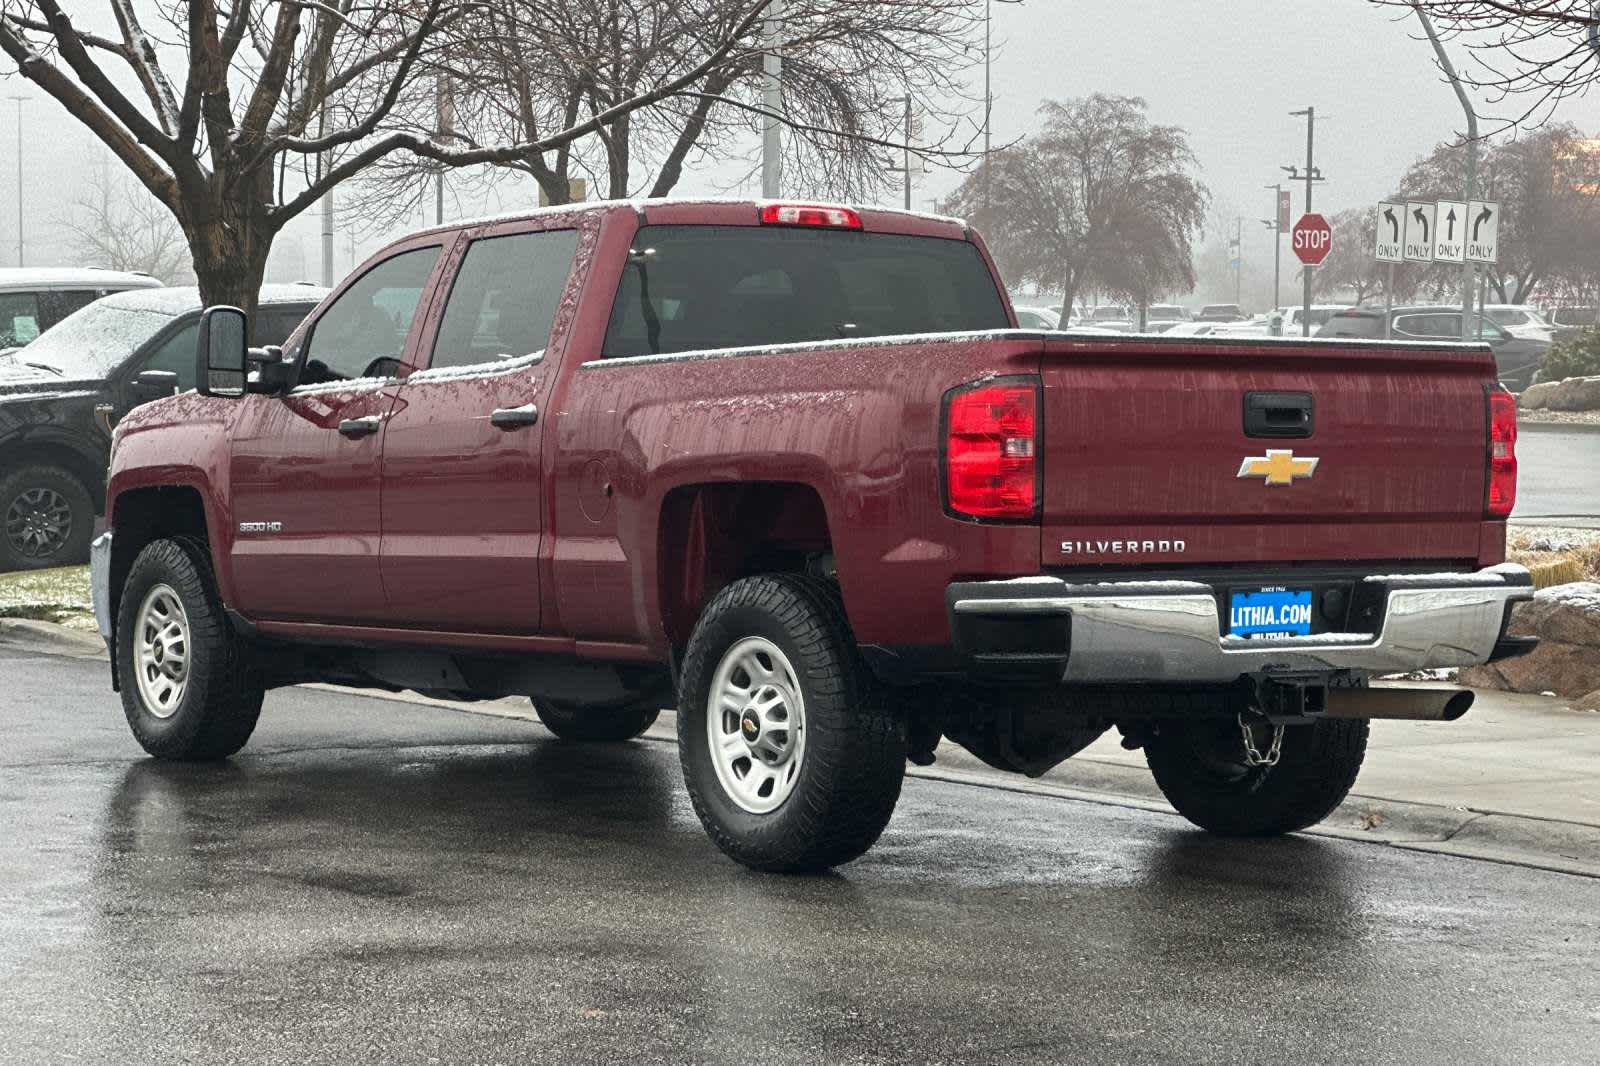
(1422, 220)
(1477, 223)
(1394, 223)
(1450, 234)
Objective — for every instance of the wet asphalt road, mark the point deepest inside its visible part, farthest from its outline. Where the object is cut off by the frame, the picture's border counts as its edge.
(1558, 475)
(374, 881)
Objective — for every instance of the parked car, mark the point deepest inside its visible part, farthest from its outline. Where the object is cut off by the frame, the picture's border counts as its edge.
(1518, 358)
(1572, 320)
(1521, 320)
(1292, 317)
(1110, 316)
(1221, 313)
(1038, 318)
(61, 395)
(792, 469)
(32, 299)
(1159, 318)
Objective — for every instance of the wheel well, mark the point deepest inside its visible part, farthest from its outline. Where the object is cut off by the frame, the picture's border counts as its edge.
(33, 453)
(144, 515)
(711, 535)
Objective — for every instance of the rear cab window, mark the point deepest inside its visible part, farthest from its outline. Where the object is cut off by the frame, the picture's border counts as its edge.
(694, 288)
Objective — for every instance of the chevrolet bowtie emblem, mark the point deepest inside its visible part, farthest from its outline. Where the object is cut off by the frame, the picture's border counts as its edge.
(1278, 467)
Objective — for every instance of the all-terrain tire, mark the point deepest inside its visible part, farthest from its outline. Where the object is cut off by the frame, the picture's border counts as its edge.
(853, 759)
(596, 725)
(46, 518)
(1199, 768)
(220, 700)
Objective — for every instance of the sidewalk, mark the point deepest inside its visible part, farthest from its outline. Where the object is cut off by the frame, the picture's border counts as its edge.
(1517, 780)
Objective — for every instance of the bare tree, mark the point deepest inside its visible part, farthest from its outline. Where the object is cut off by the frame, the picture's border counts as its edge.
(1548, 183)
(1351, 266)
(281, 100)
(848, 67)
(122, 227)
(1100, 197)
(1528, 54)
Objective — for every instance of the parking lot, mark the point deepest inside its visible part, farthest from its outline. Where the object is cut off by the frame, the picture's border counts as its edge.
(411, 884)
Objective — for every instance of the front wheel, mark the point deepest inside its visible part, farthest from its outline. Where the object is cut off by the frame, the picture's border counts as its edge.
(1202, 769)
(187, 687)
(791, 762)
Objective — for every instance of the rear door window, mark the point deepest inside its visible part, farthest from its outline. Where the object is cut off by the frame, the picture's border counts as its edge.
(504, 299)
(19, 318)
(689, 288)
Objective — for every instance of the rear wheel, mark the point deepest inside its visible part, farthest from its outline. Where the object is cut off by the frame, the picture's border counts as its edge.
(46, 519)
(187, 688)
(596, 724)
(792, 762)
(1202, 769)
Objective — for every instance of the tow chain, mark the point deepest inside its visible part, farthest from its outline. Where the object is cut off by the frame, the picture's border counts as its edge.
(1252, 754)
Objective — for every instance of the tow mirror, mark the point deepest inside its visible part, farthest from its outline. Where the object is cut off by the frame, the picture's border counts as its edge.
(220, 351)
(154, 384)
(268, 374)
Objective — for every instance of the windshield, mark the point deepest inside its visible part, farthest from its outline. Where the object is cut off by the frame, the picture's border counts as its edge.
(691, 288)
(1167, 312)
(91, 343)
(1108, 314)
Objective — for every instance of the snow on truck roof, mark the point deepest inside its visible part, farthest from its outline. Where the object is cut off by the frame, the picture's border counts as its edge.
(179, 299)
(15, 278)
(645, 203)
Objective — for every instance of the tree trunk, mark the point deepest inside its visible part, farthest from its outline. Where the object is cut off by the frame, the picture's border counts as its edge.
(1069, 293)
(230, 260)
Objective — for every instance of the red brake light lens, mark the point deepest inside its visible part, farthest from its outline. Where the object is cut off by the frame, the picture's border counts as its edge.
(809, 215)
(992, 450)
(1502, 454)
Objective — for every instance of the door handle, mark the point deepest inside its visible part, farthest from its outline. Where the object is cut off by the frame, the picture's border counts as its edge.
(356, 428)
(515, 417)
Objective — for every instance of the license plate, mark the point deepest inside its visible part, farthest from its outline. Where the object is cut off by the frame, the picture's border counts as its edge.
(1267, 613)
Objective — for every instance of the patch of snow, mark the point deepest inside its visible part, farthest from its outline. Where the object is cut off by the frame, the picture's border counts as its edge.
(1235, 643)
(353, 385)
(1584, 595)
(94, 277)
(474, 370)
(1490, 577)
(1446, 673)
(178, 299)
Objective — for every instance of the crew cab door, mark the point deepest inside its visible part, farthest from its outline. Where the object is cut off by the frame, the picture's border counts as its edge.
(304, 468)
(463, 488)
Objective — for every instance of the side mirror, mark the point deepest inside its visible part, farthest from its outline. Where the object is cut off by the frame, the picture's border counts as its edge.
(268, 374)
(154, 384)
(220, 351)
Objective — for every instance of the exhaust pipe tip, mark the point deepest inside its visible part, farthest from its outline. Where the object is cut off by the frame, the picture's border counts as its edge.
(1400, 702)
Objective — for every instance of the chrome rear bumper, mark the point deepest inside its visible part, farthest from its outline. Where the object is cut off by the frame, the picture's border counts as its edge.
(1171, 631)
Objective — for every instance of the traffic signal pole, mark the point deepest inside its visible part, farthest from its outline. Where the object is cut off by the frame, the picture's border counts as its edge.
(1467, 266)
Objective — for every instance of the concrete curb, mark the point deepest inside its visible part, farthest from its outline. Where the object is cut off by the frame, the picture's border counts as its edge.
(48, 638)
(1462, 832)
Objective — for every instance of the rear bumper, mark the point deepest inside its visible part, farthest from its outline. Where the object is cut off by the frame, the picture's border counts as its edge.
(1138, 632)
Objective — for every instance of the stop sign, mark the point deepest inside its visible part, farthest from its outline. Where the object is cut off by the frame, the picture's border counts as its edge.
(1313, 239)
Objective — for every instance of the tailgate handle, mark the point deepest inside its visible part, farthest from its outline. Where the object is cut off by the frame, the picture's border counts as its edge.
(1278, 415)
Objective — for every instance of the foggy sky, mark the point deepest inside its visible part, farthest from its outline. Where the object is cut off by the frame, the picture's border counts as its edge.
(1228, 73)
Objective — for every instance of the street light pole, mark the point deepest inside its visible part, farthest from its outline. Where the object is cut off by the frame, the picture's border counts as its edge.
(19, 99)
(772, 104)
(1467, 266)
(1277, 246)
(1311, 176)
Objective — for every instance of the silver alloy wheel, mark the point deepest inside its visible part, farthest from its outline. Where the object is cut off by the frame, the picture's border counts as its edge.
(756, 725)
(161, 651)
(38, 522)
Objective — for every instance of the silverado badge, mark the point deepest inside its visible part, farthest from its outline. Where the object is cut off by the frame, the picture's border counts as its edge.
(1278, 467)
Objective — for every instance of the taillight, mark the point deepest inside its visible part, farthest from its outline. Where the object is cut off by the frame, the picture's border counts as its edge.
(992, 449)
(809, 215)
(1502, 453)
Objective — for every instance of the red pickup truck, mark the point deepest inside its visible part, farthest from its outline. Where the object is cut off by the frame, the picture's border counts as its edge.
(792, 469)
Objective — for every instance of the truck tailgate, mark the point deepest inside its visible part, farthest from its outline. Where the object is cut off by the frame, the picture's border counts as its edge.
(1148, 459)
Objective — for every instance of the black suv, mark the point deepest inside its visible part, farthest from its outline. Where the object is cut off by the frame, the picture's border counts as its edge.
(1517, 357)
(60, 396)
